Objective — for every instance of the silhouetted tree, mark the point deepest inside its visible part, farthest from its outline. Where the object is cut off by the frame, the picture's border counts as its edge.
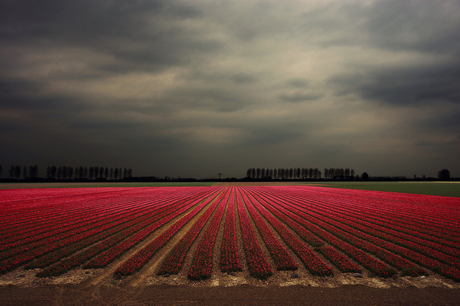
(17, 172)
(365, 176)
(444, 174)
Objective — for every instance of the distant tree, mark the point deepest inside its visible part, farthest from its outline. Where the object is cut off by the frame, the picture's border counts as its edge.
(352, 172)
(130, 172)
(11, 172)
(291, 173)
(444, 174)
(69, 172)
(53, 172)
(364, 176)
(33, 171)
(24, 172)
(115, 174)
(85, 173)
(125, 173)
(17, 172)
(262, 173)
(111, 173)
(1, 171)
(106, 172)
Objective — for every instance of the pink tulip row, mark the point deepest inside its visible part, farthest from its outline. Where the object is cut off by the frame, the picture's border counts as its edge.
(202, 261)
(138, 260)
(255, 259)
(229, 257)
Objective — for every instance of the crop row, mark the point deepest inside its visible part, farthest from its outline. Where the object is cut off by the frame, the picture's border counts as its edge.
(138, 260)
(202, 261)
(229, 257)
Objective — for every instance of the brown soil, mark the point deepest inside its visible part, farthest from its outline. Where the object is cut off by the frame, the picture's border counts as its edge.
(238, 295)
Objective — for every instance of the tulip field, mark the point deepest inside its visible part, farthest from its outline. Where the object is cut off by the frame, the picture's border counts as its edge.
(215, 230)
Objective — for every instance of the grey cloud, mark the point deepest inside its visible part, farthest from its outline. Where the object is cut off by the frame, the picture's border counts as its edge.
(299, 97)
(153, 85)
(298, 83)
(414, 86)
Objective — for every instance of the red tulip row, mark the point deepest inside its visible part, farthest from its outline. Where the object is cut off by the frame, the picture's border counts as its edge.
(278, 252)
(136, 223)
(426, 231)
(407, 267)
(311, 261)
(202, 261)
(340, 261)
(358, 255)
(52, 244)
(138, 260)
(401, 263)
(173, 262)
(110, 255)
(59, 240)
(229, 258)
(67, 226)
(255, 259)
(431, 247)
(52, 212)
(162, 216)
(409, 214)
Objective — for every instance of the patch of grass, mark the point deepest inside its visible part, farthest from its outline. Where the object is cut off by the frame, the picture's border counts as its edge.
(448, 189)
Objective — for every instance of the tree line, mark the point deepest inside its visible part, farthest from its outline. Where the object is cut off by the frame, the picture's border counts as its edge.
(69, 173)
(299, 173)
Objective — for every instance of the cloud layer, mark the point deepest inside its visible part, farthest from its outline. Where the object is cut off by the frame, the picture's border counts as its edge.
(184, 88)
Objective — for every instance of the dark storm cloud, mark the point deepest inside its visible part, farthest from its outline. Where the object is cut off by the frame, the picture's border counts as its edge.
(299, 97)
(183, 87)
(416, 86)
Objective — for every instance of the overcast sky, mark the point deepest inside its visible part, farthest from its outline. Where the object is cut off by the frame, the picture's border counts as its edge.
(193, 88)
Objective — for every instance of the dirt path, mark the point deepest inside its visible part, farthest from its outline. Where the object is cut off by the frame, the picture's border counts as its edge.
(237, 295)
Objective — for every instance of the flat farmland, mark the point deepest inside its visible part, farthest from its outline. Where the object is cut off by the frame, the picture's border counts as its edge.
(228, 236)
